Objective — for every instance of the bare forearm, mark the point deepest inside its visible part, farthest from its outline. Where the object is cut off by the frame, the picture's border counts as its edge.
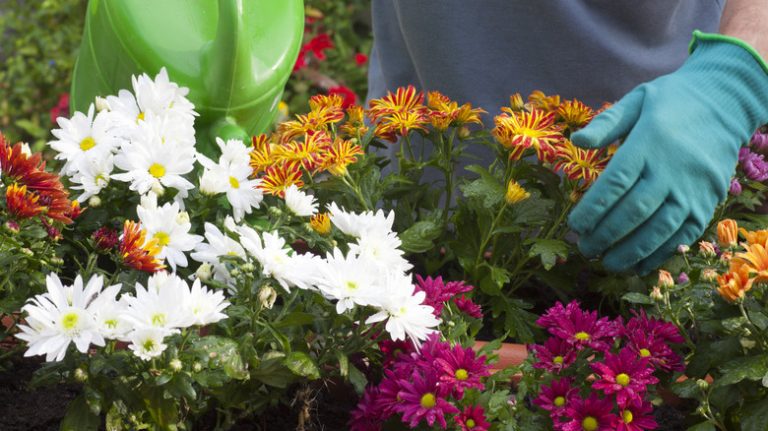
(746, 20)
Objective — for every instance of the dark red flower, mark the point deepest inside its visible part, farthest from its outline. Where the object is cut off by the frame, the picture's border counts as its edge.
(472, 419)
(625, 375)
(468, 307)
(61, 109)
(392, 350)
(591, 414)
(361, 59)
(105, 238)
(318, 45)
(367, 415)
(348, 96)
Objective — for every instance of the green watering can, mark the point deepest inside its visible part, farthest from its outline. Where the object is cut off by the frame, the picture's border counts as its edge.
(234, 55)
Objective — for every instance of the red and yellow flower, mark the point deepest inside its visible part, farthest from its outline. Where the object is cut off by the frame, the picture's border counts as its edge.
(261, 154)
(575, 114)
(539, 100)
(519, 131)
(321, 223)
(137, 251)
(279, 177)
(306, 154)
(339, 156)
(405, 99)
(355, 124)
(579, 163)
(22, 204)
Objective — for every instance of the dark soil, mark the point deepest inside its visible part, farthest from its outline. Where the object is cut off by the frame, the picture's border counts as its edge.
(27, 409)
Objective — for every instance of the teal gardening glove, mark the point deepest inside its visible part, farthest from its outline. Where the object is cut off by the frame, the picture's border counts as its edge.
(682, 133)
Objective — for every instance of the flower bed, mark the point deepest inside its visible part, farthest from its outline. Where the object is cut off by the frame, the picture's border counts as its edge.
(183, 289)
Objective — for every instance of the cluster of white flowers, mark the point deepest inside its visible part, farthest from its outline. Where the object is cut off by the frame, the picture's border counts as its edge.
(88, 315)
(148, 134)
(373, 273)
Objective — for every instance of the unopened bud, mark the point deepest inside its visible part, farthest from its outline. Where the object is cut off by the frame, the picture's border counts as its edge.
(682, 248)
(707, 249)
(27, 252)
(665, 279)
(702, 384)
(11, 226)
(101, 104)
(204, 271)
(182, 218)
(267, 296)
(56, 260)
(464, 132)
(94, 202)
(709, 274)
(80, 375)
(158, 189)
(235, 272)
(175, 365)
(747, 343)
(197, 367)
(247, 267)
(213, 355)
(656, 294)
(275, 211)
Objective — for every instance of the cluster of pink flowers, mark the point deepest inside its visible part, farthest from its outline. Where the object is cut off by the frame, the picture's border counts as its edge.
(622, 359)
(424, 386)
(439, 293)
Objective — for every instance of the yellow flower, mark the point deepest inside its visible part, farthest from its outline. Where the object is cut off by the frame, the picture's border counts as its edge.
(261, 154)
(279, 177)
(727, 233)
(401, 124)
(405, 99)
(516, 103)
(518, 131)
(355, 125)
(755, 237)
(575, 114)
(306, 154)
(515, 193)
(321, 223)
(340, 155)
(579, 163)
(539, 100)
(734, 284)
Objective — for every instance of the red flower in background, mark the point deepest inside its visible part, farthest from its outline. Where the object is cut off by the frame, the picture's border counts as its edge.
(348, 96)
(61, 109)
(317, 46)
(361, 59)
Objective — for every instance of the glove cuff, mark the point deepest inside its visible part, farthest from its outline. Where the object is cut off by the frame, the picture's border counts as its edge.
(699, 36)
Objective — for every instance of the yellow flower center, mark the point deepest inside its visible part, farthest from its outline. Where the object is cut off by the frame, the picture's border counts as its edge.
(148, 344)
(157, 170)
(87, 143)
(162, 238)
(470, 423)
(559, 401)
(589, 424)
(351, 285)
(140, 116)
(111, 323)
(622, 379)
(626, 416)
(461, 374)
(581, 336)
(644, 353)
(234, 183)
(69, 320)
(557, 360)
(158, 319)
(428, 400)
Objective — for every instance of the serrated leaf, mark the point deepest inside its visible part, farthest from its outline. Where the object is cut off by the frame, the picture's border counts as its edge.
(420, 236)
(637, 298)
(226, 355)
(302, 365)
(704, 426)
(79, 417)
(736, 370)
(754, 416)
(548, 250)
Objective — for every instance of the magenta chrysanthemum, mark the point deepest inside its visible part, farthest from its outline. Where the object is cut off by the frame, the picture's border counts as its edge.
(438, 292)
(554, 355)
(636, 417)
(367, 415)
(459, 369)
(468, 307)
(626, 375)
(555, 396)
(650, 338)
(581, 328)
(423, 399)
(591, 414)
(472, 419)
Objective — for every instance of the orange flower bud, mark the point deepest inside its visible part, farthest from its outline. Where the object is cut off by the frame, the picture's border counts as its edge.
(665, 279)
(707, 249)
(727, 233)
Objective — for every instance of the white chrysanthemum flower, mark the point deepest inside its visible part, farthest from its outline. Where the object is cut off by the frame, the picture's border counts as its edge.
(277, 260)
(232, 176)
(233, 152)
(155, 166)
(300, 203)
(108, 313)
(160, 128)
(216, 246)
(147, 343)
(82, 137)
(357, 225)
(205, 306)
(92, 176)
(169, 229)
(382, 249)
(160, 305)
(159, 97)
(348, 279)
(404, 310)
(62, 315)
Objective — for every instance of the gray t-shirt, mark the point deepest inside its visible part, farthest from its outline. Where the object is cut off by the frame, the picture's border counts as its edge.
(482, 51)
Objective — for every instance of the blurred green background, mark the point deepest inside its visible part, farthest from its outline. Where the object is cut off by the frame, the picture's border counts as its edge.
(40, 39)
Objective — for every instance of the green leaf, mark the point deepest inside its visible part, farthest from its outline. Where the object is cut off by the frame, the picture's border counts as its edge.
(736, 370)
(420, 236)
(637, 298)
(548, 250)
(686, 389)
(343, 363)
(357, 379)
(296, 318)
(226, 355)
(704, 426)
(487, 190)
(79, 417)
(302, 365)
(755, 415)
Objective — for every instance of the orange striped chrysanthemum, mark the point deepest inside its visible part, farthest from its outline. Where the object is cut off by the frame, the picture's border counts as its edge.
(137, 251)
(306, 154)
(401, 124)
(279, 177)
(579, 163)
(355, 124)
(326, 101)
(539, 100)
(519, 131)
(339, 156)
(314, 121)
(261, 154)
(446, 112)
(405, 99)
(22, 204)
(575, 114)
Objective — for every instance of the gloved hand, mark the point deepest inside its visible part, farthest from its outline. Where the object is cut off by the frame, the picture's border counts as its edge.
(682, 136)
